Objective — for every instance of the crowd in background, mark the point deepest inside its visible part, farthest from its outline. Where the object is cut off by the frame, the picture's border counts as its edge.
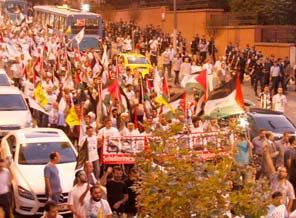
(71, 78)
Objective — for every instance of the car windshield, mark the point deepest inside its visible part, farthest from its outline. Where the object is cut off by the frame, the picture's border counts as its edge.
(12, 102)
(87, 43)
(4, 80)
(277, 124)
(137, 60)
(38, 153)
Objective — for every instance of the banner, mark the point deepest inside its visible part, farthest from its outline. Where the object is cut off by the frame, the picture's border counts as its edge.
(122, 150)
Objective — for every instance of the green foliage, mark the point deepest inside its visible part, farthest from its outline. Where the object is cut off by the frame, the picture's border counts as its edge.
(176, 182)
(268, 11)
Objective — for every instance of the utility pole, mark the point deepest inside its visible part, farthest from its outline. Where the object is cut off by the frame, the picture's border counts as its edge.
(175, 26)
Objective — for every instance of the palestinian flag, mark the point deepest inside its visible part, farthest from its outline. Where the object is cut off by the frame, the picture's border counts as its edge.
(226, 100)
(195, 82)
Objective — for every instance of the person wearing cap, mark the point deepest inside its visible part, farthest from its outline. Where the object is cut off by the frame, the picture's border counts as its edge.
(130, 130)
(79, 195)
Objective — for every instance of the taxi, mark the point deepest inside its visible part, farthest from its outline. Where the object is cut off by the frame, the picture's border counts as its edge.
(136, 62)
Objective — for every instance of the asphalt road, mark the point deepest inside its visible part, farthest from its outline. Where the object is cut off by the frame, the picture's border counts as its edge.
(290, 110)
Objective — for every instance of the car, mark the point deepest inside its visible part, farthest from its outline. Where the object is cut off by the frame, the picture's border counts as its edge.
(135, 61)
(14, 111)
(26, 152)
(273, 121)
(4, 79)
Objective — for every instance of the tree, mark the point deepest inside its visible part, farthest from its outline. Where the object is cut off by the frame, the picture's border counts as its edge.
(176, 182)
(268, 11)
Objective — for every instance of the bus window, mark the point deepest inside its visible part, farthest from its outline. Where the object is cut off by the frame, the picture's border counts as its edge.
(91, 22)
(63, 23)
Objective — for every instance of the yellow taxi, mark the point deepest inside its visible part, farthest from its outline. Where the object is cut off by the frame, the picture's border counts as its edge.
(136, 62)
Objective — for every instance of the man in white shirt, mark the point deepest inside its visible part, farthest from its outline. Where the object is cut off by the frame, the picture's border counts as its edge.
(92, 143)
(5, 182)
(108, 131)
(79, 195)
(130, 130)
(209, 68)
(96, 206)
(275, 72)
(279, 101)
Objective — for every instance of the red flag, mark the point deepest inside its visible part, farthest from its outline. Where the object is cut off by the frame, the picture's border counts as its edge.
(114, 90)
(202, 79)
(239, 94)
(165, 87)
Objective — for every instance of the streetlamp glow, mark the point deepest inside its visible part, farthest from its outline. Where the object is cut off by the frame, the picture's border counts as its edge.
(85, 7)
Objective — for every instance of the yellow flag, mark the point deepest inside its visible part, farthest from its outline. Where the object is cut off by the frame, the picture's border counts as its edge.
(161, 100)
(40, 96)
(68, 30)
(72, 118)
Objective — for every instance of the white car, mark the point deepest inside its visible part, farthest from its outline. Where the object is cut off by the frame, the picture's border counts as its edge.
(14, 111)
(26, 152)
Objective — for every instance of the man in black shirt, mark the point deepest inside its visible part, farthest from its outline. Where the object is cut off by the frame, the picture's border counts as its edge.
(117, 192)
(131, 208)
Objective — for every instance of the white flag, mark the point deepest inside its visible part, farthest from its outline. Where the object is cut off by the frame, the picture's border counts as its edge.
(12, 51)
(105, 59)
(79, 36)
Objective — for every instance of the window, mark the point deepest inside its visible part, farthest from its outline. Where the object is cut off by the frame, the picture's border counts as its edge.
(12, 102)
(38, 153)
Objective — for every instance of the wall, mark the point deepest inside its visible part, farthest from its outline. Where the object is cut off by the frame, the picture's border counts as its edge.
(194, 21)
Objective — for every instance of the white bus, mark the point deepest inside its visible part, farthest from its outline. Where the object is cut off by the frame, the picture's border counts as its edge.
(62, 18)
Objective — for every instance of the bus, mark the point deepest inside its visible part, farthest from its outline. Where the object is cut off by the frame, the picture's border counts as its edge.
(14, 8)
(72, 21)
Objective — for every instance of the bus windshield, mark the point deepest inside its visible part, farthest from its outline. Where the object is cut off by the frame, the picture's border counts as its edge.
(15, 7)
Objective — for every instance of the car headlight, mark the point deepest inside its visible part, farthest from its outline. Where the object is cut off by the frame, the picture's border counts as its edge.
(25, 193)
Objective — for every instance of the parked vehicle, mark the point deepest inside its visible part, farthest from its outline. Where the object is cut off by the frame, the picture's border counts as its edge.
(26, 152)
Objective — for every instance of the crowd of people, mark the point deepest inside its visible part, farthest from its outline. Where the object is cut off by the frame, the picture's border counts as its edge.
(37, 58)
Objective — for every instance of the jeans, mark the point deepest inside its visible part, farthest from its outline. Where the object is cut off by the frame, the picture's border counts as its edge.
(96, 165)
(5, 203)
(275, 81)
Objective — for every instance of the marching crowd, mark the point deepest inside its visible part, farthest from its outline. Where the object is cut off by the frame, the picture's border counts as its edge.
(111, 100)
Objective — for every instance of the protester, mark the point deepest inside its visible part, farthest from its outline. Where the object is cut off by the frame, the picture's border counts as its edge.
(79, 195)
(51, 210)
(96, 206)
(117, 192)
(5, 194)
(52, 178)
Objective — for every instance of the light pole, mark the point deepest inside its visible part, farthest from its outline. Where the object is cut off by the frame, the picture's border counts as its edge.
(175, 26)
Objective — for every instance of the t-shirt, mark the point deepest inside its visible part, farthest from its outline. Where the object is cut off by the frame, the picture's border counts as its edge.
(131, 203)
(92, 147)
(286, 188)
(51, 171)
(74, 196)
(94, 209)
(4, 181)
(116, 192)
(242, 156)
(279, 102)
(276, 212)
